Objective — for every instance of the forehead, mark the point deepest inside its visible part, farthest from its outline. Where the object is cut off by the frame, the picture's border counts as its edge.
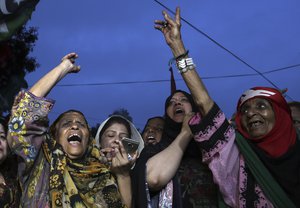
(117, 126)
(254, 101)
(178, 94)
(295, 109)
(73, 116)
(155, 122)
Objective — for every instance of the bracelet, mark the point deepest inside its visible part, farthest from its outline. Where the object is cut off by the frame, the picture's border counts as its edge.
(182, 55)
(184, 65)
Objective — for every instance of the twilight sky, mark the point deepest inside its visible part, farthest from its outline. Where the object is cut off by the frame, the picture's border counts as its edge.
(124, 60)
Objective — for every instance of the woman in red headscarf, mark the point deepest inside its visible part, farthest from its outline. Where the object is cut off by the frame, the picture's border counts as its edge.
(255, 164)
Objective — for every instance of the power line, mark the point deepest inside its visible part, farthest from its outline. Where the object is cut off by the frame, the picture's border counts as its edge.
(167, 80)
(221, 46)
(281, 69)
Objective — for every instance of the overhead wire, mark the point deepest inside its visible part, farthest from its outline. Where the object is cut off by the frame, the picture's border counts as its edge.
(221, 46)
(167, 80)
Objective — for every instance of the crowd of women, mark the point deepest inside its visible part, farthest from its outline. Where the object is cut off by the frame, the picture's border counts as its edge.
(189, 157)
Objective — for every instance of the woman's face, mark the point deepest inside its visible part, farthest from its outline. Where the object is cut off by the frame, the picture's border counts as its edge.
(3, 144)
(257, 117)
(178, 106)
(296, 116)
(153, 131)
(114, 132)
(73, 134)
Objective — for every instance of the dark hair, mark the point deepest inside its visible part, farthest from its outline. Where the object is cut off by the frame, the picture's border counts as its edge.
(113, 120)
(155, 117)
(53, 125)
(187, 95)
(4, 122)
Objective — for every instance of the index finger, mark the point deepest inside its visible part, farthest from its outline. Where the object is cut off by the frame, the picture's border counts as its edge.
(72, 55)
(177, 16)
(122, 149)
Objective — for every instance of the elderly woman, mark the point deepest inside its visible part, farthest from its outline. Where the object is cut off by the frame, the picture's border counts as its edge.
(63, 168)
(256, 165)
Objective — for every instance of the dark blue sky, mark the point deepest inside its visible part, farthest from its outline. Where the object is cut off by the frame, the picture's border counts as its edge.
(116, 43)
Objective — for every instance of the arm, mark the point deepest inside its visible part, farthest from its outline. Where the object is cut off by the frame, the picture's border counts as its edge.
(216, 140)
(47, 82)
(162, 167)
(121, 167)
(29, 122)
(41, 89)
(171, 31)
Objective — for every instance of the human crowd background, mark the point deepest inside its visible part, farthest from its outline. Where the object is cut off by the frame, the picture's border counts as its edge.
(192, 156)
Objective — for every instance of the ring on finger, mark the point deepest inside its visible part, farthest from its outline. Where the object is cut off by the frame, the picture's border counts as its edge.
(165, 24)
(129, 157)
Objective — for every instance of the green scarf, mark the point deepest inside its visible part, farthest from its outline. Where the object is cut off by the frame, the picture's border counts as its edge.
(263, 177)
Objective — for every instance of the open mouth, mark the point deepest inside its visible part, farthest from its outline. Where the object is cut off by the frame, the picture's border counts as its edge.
(74, 139)
(178, 111)
(255, 124)
(151, 139)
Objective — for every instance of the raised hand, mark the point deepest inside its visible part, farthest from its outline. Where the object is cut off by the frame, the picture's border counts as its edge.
(122, 162)
(171, 31)
(48, 81)
(68, 63)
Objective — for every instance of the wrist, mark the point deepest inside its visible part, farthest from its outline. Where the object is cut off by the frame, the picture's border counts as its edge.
(185, 64)
(61, 70)
(123, 175)
(186, 134)
(178, 49)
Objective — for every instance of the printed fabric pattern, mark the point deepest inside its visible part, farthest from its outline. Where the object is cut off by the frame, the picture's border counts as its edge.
(217, 139)
(48, 178)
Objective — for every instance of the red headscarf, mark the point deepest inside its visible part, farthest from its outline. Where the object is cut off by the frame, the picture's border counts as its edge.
(283, 134)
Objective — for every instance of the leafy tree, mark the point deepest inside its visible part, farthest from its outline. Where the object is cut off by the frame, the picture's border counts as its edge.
(122, 112)
(15, 62)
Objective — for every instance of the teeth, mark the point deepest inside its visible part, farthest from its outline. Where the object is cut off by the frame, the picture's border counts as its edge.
(255, 123)
(74, 135)
(74, 142)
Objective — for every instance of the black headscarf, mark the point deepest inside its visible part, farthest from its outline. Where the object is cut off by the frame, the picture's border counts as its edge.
(171, 131)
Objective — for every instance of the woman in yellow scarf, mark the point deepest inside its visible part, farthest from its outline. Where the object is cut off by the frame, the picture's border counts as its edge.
(60, 168)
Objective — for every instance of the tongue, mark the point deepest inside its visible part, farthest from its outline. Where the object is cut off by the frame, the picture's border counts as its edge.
(74, 142)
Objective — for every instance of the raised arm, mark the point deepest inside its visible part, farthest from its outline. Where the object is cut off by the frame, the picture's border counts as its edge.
(47, 82)
(171, 31)
(162, 167)
(29, 115)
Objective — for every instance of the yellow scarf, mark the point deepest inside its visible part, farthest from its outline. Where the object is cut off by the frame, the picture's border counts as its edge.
(80, 183)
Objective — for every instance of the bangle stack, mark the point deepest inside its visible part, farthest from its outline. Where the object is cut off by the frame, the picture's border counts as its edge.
(185, 64)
